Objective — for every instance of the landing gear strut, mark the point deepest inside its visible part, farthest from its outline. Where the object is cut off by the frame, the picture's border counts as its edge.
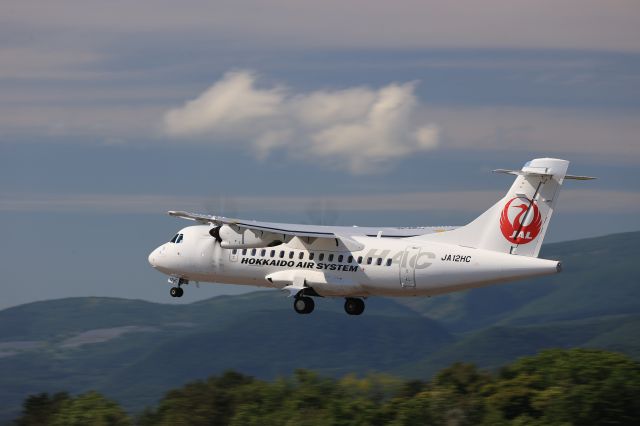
(177, 291)
(353, 306)
(303, 305)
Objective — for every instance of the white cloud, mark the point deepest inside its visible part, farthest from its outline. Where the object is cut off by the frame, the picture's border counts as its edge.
(361, 128)
(548, 131)
(227, 106)
(574, 201)
(38, 63)
(577, 24)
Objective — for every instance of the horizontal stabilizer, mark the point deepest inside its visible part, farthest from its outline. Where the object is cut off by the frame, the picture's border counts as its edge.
(539, 174)
(522, 172)
(580, 177)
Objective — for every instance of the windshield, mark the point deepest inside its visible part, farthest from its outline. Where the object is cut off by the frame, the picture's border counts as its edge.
(177, 238)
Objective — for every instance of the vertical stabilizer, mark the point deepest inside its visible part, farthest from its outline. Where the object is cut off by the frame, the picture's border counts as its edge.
(518, 222)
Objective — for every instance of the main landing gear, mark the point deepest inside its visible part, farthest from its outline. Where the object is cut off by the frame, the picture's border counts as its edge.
(303, 304)
(177, 291)
(353, 306)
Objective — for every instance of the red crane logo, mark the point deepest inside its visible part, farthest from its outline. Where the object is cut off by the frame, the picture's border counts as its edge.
(516, 228)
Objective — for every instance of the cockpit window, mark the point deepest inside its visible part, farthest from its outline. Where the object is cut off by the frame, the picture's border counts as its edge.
(177, 238)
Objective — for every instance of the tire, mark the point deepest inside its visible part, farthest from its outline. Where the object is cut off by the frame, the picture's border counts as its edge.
(174, 291)
(310, 305)
(354, 306)
(303, 305)
(180, 292)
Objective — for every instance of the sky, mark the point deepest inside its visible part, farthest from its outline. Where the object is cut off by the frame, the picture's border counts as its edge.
(334, 112)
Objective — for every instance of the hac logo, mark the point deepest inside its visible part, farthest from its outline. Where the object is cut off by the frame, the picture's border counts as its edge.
(516, 225)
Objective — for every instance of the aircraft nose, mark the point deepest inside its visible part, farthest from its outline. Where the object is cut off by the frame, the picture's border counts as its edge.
(152, 257)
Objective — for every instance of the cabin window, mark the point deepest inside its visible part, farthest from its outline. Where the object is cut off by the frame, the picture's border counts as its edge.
(359, 259)
(290, 255)
(321, 256)
(244, 252)
(311, 256)
(273, 253)
(331, 258)
(263, 252)
(281, 254)
(379, 261)
(369, 260)
(340, 258)
(350, 259)
(253, 252)
(301, 255)
(389, 262)
(234, 251)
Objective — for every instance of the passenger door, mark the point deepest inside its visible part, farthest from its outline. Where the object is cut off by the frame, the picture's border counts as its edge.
(233, 255)
(408, 267)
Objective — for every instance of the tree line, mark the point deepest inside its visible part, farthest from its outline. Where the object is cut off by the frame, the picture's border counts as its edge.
(554, 387)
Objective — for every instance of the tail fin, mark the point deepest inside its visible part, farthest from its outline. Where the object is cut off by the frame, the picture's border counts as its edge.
(518, 222)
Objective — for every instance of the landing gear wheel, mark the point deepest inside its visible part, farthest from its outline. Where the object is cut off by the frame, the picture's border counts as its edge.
(176, 292)
(303, 305)
(354, 306)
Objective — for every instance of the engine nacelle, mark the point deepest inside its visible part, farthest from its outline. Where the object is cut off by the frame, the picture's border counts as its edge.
(232, 237)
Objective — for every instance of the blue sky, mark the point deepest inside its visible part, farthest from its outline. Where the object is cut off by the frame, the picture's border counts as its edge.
(358, 112)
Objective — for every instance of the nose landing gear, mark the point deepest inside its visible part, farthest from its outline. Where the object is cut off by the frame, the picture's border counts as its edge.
(177, 291)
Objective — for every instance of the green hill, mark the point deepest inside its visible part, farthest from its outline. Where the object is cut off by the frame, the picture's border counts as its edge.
(132, 350)
(498, 345)
(598, 279)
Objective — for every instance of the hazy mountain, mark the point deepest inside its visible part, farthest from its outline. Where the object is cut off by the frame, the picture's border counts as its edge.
(598, 279)
(133, 350)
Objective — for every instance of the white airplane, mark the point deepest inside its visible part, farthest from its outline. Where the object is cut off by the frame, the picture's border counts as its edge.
(309, 261)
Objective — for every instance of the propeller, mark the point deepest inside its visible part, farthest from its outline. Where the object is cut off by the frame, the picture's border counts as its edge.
(322, 212)
(222, 205)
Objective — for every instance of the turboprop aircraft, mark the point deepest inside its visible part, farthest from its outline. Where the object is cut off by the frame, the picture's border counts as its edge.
(308, 261)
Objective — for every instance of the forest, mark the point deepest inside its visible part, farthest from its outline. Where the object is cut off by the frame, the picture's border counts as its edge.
(554, 387)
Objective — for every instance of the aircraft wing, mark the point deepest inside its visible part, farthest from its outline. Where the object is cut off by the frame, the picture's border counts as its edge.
(313, 231)
(308, 231)
(276, 228)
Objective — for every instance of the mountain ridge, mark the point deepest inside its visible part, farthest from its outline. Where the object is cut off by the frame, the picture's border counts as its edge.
(133, 349)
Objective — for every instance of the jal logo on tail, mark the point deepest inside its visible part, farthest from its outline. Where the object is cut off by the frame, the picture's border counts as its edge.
(518, 226)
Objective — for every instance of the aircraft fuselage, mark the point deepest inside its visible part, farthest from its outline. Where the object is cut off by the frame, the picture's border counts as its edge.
(385, 266)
